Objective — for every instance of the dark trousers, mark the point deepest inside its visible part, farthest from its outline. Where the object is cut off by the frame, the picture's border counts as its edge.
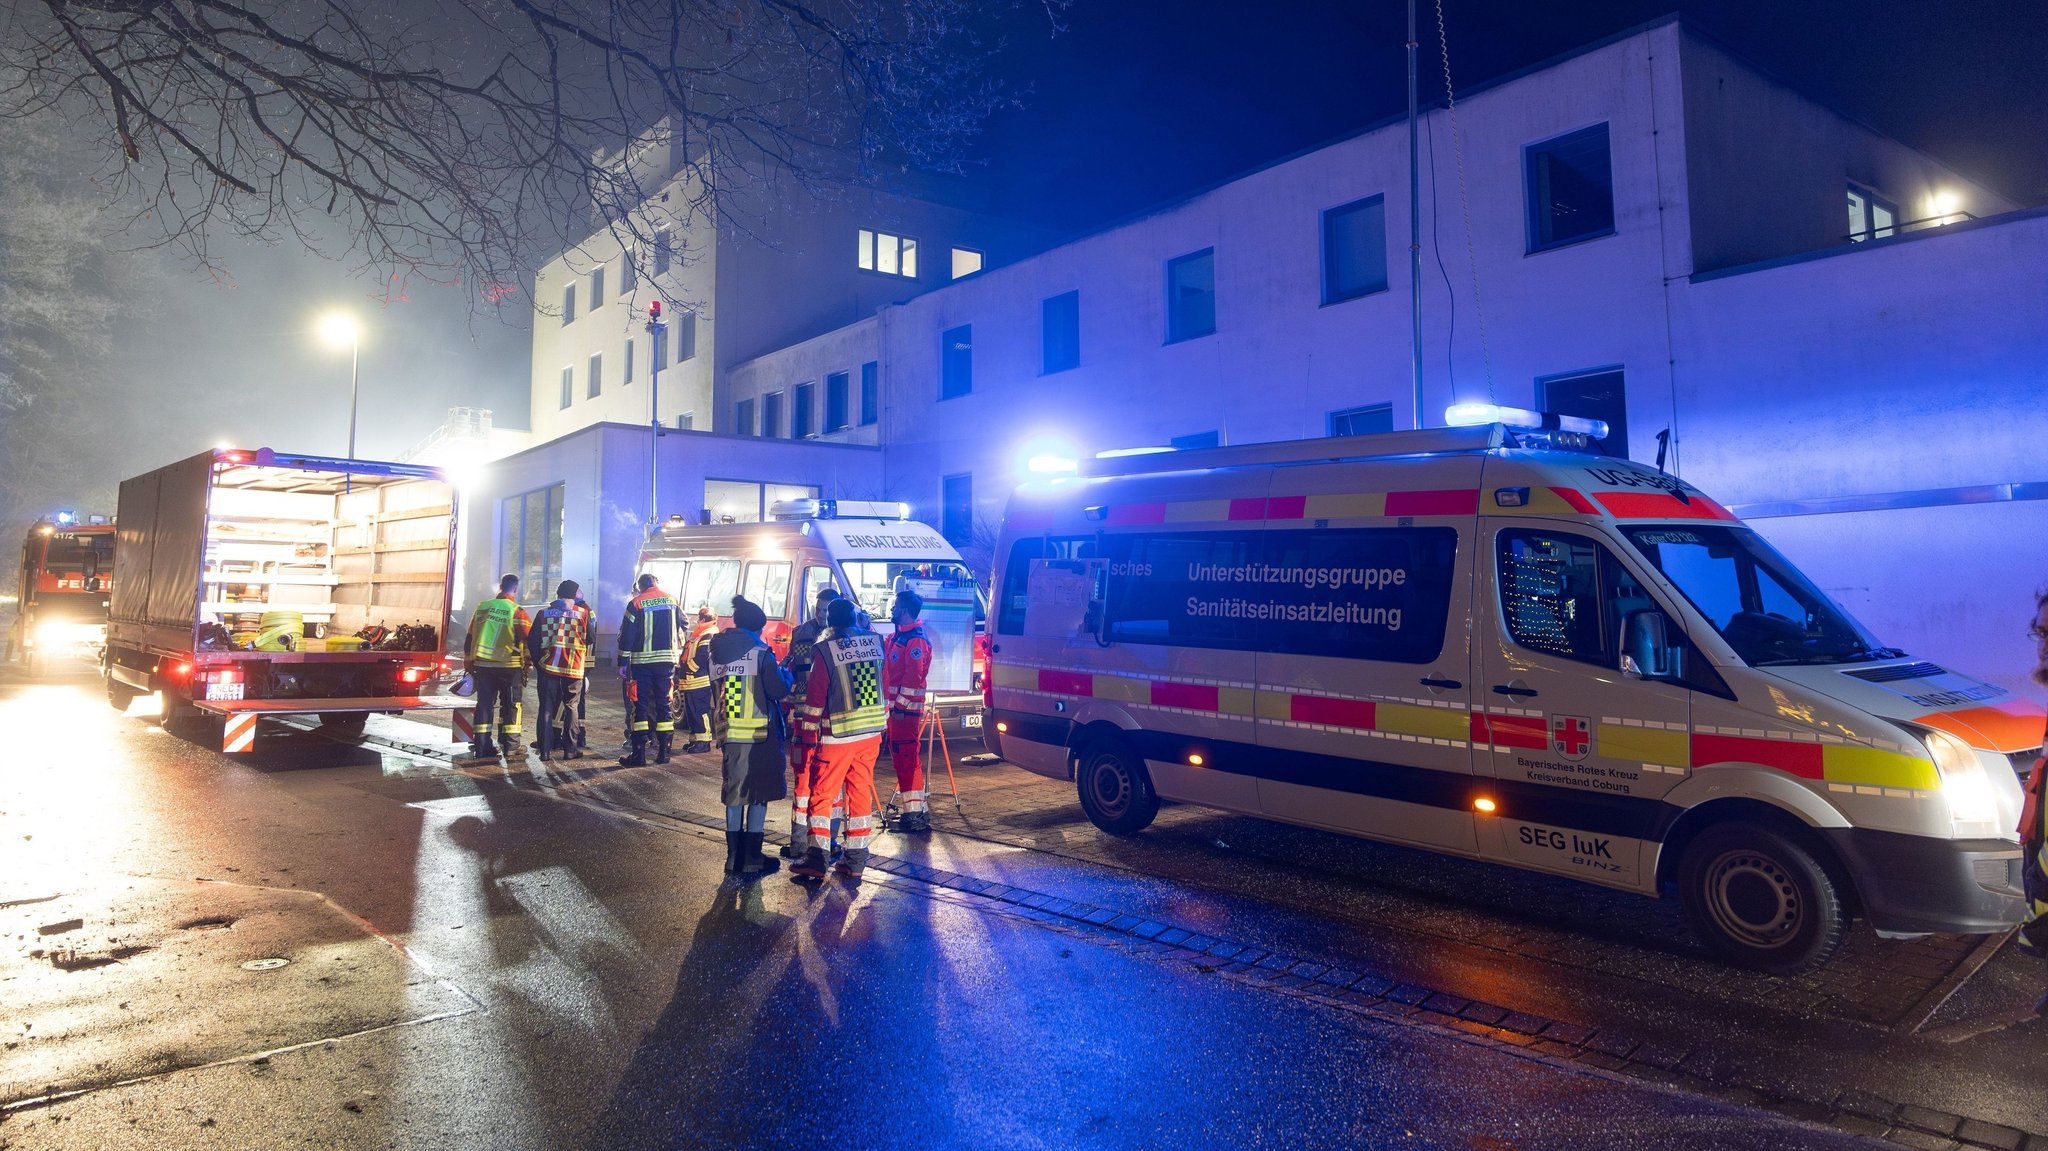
(651, 715)
(559, 728)
(497, 705)
(696, 712)
(582, 703)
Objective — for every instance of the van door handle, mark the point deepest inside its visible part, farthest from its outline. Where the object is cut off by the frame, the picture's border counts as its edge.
(1504, 689)
(1445, 684)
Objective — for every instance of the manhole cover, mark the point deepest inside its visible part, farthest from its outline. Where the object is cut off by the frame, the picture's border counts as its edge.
(264, 964)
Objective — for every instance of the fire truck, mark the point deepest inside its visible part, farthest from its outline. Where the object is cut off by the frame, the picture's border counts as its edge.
(64, 584)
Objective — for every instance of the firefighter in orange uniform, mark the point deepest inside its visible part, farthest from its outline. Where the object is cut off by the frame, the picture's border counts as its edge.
(695, 678)
(803, 742)
(843, 705)
(906, 665)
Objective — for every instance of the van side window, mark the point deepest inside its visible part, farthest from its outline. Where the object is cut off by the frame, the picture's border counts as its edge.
(1014, 591)
(1565, 595)
(816, 579)
(767, 584)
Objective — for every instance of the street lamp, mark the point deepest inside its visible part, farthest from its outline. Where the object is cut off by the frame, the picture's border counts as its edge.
(338, 328)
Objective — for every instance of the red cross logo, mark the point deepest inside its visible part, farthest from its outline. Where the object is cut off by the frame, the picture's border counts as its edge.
(1571, 736)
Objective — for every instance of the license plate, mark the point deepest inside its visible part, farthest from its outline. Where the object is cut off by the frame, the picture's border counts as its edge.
(224, 691)
(971, 719)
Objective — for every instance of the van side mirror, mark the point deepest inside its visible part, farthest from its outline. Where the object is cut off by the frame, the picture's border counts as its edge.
(1647, 651)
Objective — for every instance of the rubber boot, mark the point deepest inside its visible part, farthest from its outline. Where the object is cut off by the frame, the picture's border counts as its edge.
(753, 864)
(852, 863)
(734, 844)
(914, 823)
(638, 756)
(662, 745)
(814, 865)
(486, 748)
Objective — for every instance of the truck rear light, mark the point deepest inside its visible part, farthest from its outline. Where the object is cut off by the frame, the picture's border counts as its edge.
(412, 675)
(178, 669)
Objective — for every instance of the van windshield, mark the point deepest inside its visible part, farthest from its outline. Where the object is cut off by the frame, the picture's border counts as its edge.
(876, 582)
(1766, 610)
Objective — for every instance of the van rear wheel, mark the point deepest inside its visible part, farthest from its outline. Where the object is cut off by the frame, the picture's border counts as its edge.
(1116, 790)
(1759, 900)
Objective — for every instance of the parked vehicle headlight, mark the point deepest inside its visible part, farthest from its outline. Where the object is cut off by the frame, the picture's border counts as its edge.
(1967, 790)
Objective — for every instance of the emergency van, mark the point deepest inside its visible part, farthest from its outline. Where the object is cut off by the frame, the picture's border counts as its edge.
(1495, 643)
(865, 550)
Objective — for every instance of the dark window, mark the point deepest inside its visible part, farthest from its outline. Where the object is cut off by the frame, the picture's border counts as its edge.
(568, 386)
(686, 335)
(686, 421)
(1320, 593)
(956, 511)
(626, 374)
(1355, 249)
(531, 544)
(1363, 421)
(800, 411)
(1594, 395)
(743, 418)
(664, 251)
(956, 362)
(629, 276)
(660, 349)
(1570, 188)
(568, 305)
(596, 381)
(1565, 595)
(870, 393)
(835, 402)
(1191, 296)
(1060, 331)
(1197, 440)
(771, 414)
(597, 288)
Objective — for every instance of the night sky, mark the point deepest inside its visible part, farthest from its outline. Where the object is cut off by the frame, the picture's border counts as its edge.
(1134, 103)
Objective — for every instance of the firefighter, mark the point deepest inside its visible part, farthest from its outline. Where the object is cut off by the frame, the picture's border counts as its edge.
(803, 742)
(696, 681)
(496, 656)
(906, 666)
(843, 705)
(559, 646)
(746, 720)
(647, 659)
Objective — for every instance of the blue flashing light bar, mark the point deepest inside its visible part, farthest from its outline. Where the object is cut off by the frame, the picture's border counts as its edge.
(1472, 415)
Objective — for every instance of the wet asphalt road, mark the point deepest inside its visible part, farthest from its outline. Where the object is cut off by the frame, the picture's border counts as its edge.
(483, 962)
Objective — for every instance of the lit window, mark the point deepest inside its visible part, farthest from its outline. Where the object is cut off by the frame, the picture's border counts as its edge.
(1570, 188)
(1355, 249)
(1871, 216)
(1191, 296)
(887, 254)
(966, 262)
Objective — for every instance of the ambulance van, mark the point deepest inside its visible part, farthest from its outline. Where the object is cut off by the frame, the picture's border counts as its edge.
(1494, 643)
(865, 550)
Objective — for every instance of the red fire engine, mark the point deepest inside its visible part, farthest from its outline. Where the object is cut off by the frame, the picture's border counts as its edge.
(63, 587)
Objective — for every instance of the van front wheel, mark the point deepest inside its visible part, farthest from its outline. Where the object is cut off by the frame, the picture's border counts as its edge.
(1757, 899)
(1116, 791)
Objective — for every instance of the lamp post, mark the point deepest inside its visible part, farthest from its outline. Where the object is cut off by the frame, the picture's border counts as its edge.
(338, 328)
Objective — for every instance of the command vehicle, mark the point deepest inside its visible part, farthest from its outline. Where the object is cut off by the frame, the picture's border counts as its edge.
(866, 550)
(61, 590)
(1477, 641)
(258, 583)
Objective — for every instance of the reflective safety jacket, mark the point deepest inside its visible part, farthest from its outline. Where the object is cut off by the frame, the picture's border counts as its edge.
(747, 688)
(695, 662)
(560, 641)
(798, 662)
(649, 631)
(497, 633)
(843, 701)
(906, 666)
